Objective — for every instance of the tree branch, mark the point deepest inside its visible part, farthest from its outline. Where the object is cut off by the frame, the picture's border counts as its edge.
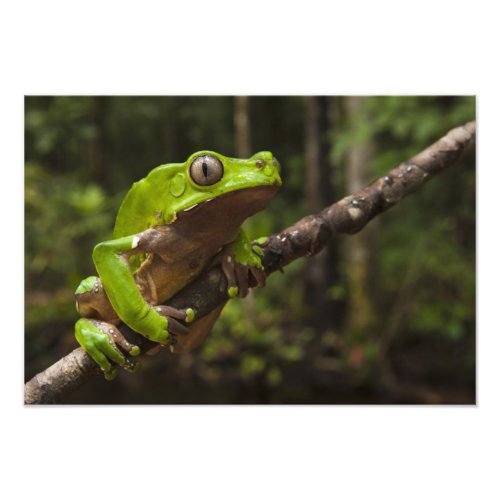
(306, 237)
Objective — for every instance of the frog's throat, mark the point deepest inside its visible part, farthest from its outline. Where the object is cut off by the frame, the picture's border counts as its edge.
(236, 205)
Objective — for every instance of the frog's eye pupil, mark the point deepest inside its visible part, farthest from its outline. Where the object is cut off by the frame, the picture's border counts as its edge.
(206, 170)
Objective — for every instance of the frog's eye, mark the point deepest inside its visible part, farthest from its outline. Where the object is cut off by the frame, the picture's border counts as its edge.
(206, 170)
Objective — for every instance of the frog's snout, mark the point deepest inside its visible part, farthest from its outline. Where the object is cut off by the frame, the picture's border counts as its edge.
(262, 155)
(266, 162)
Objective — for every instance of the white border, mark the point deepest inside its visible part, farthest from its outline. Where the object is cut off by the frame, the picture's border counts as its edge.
(257, 48)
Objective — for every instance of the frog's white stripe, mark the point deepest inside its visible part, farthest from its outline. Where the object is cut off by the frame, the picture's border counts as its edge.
(135, 241)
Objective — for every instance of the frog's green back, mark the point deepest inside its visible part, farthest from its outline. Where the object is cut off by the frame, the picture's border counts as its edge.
(147, 202)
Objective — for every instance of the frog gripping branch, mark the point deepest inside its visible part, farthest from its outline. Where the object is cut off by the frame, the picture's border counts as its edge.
(177, 240)
(171, 226)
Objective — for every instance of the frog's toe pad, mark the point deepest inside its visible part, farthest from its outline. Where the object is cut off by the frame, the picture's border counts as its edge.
(110, 374)
(190, 315)
(132, 366)
(135, 351)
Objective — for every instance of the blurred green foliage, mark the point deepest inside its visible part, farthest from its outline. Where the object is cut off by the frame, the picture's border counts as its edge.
(83, 153)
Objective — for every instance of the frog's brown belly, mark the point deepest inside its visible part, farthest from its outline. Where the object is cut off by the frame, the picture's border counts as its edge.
(171, 277)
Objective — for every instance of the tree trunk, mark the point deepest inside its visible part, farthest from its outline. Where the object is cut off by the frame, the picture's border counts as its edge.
(360, 247)
(242, 134)
(95, 147)
(323, 271)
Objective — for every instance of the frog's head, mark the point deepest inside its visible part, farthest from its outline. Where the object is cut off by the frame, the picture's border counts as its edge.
(240, 186)
(210, 172)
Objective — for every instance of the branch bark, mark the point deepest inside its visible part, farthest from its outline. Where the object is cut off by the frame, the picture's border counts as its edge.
(306, 237)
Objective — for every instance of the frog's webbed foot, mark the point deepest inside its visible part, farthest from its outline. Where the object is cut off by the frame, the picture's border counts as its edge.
(175, 327)
(106, 345)
(239, 274)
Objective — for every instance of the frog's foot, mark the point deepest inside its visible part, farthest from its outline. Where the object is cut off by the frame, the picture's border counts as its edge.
(104, 343)
(238, 275)
(174, 317)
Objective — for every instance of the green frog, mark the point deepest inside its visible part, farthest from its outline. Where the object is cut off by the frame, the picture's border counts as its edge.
(181, 219)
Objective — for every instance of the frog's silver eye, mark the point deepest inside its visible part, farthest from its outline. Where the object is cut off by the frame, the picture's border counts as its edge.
(206, 170)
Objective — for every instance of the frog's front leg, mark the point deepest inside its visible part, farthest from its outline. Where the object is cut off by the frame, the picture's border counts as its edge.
(241, 260)
(105, 343)
(111, 259)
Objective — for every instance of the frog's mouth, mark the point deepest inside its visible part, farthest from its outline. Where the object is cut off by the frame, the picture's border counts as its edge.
(230, 208)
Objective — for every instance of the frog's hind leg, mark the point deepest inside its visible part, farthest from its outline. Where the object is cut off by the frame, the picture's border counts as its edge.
(104, 343)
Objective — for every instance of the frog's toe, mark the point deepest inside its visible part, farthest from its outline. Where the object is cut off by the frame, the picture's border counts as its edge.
(190, 315)
(259, 275)
(131, 366)
(100, 359)
(109, 349)
(228, 268)
(174, 316)
(116, 337)
(111, 373)
(238, 277)
(186, 315)
(242, 277)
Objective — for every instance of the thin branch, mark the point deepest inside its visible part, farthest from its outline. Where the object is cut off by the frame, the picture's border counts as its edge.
(306, 237)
